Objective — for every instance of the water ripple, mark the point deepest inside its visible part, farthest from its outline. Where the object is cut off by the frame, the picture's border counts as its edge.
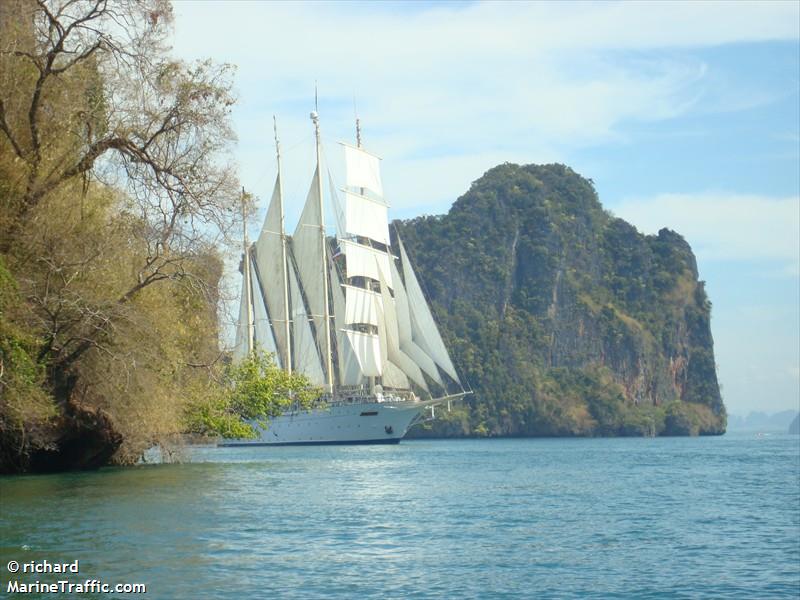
(677, 518)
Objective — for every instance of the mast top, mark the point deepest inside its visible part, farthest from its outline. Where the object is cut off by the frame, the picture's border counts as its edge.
(277, 143)
(358, 123)
(244, 218)
(315, 113)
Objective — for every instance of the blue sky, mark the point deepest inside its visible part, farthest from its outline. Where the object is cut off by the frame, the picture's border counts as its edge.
(685, 114)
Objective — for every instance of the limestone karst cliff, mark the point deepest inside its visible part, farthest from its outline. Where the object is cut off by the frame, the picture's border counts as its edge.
(564, 319)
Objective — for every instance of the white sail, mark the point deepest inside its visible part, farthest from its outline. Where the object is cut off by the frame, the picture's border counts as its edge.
(338, 209)
(402, 312)
(407, 344)
(269, 270)
(393, 376)
(363, 261)
(307, 248)
(384, 344)
(349, 369)
(349, 366)
(424, 330)
(306, 356)
(361, 306)
(363, 170)
(425, 362)
(264, 338)
(240, 345)
(390, 331)
(366, 217)
(367, 351)
(409, 367)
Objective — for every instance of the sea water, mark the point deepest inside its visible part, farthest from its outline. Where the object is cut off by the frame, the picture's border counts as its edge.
(714, 517)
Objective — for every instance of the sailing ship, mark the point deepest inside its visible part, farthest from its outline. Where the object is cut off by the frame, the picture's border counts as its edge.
(347, 312)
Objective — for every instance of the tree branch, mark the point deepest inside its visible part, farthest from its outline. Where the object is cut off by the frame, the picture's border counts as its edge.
(7, 130)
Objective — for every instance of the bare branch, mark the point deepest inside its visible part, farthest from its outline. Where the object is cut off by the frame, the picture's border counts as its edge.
(7, 130)
(81, 57)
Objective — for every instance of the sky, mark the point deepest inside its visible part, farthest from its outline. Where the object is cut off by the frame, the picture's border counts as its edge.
(684, 114)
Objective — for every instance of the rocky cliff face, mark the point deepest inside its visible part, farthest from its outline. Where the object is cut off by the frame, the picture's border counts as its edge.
(564, 319)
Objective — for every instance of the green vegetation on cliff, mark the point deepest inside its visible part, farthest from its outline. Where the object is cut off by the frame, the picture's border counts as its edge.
(565, 319)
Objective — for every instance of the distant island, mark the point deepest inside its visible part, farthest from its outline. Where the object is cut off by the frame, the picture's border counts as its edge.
(761, 421)
(565, 320)
(794, 428)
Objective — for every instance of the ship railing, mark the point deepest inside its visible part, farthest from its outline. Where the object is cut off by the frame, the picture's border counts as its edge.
(359, 394)
(356, 394)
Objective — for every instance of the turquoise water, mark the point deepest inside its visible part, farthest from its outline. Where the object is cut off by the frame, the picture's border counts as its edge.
(596, 518)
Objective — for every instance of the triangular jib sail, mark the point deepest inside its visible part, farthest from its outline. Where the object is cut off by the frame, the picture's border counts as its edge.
(423, 327)
(270, 266)
(308, 256)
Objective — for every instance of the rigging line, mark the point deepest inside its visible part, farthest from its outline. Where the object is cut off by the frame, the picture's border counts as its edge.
(295, 190)
(335, 202)
(327, 162)
(259, 180)
(306, 139)
(264, 173)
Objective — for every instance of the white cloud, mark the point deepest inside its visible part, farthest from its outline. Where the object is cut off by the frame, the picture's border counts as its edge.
(496, 81)
(723, 226)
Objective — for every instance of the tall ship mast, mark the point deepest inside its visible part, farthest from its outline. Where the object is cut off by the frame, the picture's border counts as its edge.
(349, 313)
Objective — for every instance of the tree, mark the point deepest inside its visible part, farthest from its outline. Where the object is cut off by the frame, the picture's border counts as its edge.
(116, 189)
(115, 108)
(253, 391)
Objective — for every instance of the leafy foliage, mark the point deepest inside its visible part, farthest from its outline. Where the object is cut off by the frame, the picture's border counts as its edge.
(25, 407)
(565, 319)
(252, 391)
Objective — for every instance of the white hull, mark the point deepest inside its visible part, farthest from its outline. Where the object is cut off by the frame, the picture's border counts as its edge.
(362, 422)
